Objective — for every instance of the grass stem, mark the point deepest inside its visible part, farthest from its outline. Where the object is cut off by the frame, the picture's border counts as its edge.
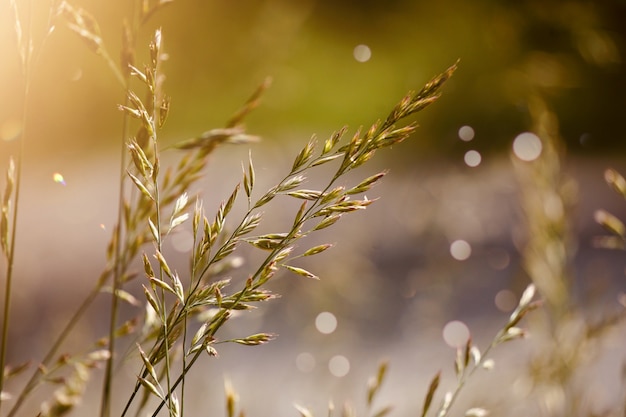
(26, 68)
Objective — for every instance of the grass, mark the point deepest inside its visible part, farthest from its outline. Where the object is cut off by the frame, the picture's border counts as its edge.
(185, 313)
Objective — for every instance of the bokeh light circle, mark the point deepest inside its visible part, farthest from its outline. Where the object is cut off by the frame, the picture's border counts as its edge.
(460, 250)
(339, 366)
(326, 322)
(527, 146)
(362, 53)
(466, 133)
(455, 333)
(305, 362)
(472, 158)
(505, 301)
(499, 259)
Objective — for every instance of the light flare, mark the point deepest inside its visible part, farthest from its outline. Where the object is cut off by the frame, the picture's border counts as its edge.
(58, 178)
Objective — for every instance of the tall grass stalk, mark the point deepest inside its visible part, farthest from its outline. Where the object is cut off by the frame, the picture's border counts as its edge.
(83, 24)
(14, 177)
(105, 407)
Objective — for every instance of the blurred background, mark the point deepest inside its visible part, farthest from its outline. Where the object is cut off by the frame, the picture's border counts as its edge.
(447, 242)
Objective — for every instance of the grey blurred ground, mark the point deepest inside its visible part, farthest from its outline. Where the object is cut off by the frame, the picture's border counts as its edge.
(390, 281)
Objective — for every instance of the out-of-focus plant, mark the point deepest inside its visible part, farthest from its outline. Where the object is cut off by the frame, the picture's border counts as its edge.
(566, 342)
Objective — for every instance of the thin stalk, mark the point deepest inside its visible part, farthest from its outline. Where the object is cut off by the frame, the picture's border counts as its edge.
(18, 178)
(105, 407)
(159, 248)
(34, 380)
(9, 273)
(158, 235)
(191, 280)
